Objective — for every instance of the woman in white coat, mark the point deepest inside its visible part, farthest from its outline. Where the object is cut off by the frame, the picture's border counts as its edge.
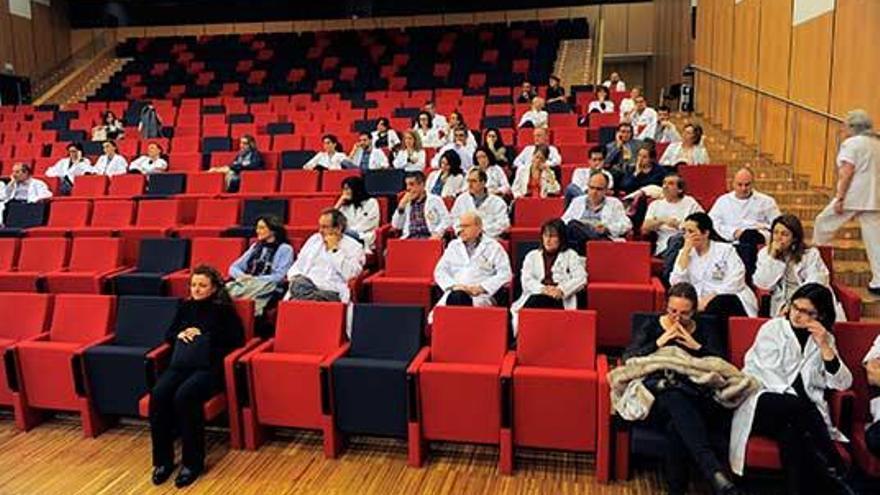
(551, 275)
(69, 168)
(538, 179)
(330, 157)
(689, 150)
(111, 162)
(714, 268)
(795, 360)
(788, 263)
(448, 180)
(360, 210)
(151, 163)
(384, 137)
(410, 157)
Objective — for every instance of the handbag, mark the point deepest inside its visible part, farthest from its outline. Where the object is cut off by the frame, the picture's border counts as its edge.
(195, 354)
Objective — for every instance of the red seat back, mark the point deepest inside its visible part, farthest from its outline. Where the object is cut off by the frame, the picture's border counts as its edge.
(205, 183)
(159, 213)
(305, 211)
(469, 335)
(43, 254)
(129, 185)
(70, 214)
(217, 252)
(245, 310)
(853, 339)
(89, 186)
(31, 314)
(300, 181)
(557, 339)
(412, 257)
(604, 262)
(705, 182)
(81, 318)
(533, 212)
(331, 180)
(113, 213)
(741, 334)
(259, 181)
(217, 212)
(95, 254)
(8, 254)
(306, 327)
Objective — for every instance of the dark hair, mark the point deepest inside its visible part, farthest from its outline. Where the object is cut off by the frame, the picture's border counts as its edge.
(365, 133)
(822, 300)
(358, 188)
(333, 139)
(108, 113)
(597, 149)
(251, 141)
(793, 224)
(595, 172)
(337, 218)
(460, 119)
(499, 143)
(679, 180)
(625, 124)
(663, 108)
(384, 121)
(704, 224)
(493, 160)
(112, 143)
(25, 166)
(426, 114)
(480, 173)
(603, 89)
(221, 295)
(558, 226)
(543, 149)
(276, 226)
(418, 175)
(698, 132)
(555, 78)
(76, 145)
(454, 161)
(684, 290)
(652, 150)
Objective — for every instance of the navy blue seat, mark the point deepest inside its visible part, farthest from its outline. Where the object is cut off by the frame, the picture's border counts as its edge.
(295, 159)
(19, 216)
(369, 383)
(212, 144)
(115, 372)
(253, 209)
(280, 128)
(157, 258)
(165, 184)
(384, 182)
(241, 118)
(93, 148)
(498, 121)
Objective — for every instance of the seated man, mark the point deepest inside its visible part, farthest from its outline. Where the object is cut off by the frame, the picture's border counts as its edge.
(420, 215)
(872, 368)
(24, 188)
(621, 154)
(524, 159)
(491, 208)
(460, 145)
(666, 216)
(666, 131)
(581, 176)
(327, 262)
(743, 216)
(595, 216)
(644, 119)
(473, 267)
(365, 157)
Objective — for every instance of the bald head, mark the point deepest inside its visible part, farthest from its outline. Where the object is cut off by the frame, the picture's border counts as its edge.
(743, 182)
(470, 226)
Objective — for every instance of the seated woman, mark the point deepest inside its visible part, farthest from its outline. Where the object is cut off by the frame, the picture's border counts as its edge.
(788, 263)
(536, 116)
(149, 122)
(602, 103)
(689, 150)
(110, 128)
(871, 361)
(556, 102)
(492, 139)
(150, 163)
(70, 167)
(448, 180)
(384, 137)
(429, 135)
(205, 329)
(496, 182)
(537, 180)
(635, 183)
(111, 162)
(410, 157)
(714, 268)
(684, 411)
(552, 275)
(248, 158)
(795, 361)
(361, 212)
(259, 273)
(330, 158)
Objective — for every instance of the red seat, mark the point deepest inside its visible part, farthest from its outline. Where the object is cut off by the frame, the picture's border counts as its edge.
(218, 252)
(303, 215)
(705, 182)
(528, 216)
(31, 318)
(38, 256)
(307, 334)
(849, 299)
(617, 290)
(108, 216)
(155, 218)
(89, 186)
(8, 254)
(63, 218)
(459, 380)
(408, 276)
(258, 183)
(570, 137)
(331, 180)
(598, 120)
(185, 162)
(559, 386)
(299, 181)
(213, 216)
(205, 184)
(126, 186)
(50, 365)
(92, 260)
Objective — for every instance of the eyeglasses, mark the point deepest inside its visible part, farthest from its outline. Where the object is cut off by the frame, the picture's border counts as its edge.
(812, 313)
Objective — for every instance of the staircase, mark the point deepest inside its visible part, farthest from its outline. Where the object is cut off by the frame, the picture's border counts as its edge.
(794, 195)
(101, 76)
(573, 61)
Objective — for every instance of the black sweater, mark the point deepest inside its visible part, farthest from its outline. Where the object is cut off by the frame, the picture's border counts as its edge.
(645, 341)
(219, 321)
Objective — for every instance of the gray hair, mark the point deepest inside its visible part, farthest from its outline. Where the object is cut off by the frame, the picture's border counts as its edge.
(474, 215)
(859, 122)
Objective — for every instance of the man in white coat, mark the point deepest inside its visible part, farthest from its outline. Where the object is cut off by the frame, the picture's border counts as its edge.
(22, 188)
(644, 120)
(539, 137)
(365, 157)
(473, 267)
(491, 208)
(70, 167)
(858, 191)
(420, 215)
(327, 262)
(595, 216)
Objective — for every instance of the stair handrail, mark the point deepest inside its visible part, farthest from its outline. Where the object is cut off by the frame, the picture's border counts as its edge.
(42, 82)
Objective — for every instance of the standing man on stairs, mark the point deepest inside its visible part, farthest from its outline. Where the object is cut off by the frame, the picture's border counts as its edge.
(858, 190)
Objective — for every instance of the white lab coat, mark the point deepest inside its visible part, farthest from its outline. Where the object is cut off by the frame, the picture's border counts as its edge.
(37, 191)
(667, 133)
(627, 108)
(719, 271)
(496, 180)
(329, 271)
(324, 159)
(644, 123)
(613, 215)
(549, 184)
(439, 123)
(471, 140)
(538, 118)
(466, 153)
(453, 186)
(677, 153)
(874, 353)
(409, 160)
(63, 168)
(493, 212)
(364, 220)
(524, 158)
(488, 267)
(430, 138)
(596, 106)
(147, 166)
(436, 216)
(110, 167)
(680, 210)
(377, 159)
(620, 86)
(730, 214)
(393, 138)
(775, 360)
(569, 273)
(771, 273)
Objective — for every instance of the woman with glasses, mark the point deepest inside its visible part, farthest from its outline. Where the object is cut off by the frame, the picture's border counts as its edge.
(682, 408)
(795, 361)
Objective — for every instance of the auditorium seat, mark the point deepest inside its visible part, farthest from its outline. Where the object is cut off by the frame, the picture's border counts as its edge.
(213, 216)
(705, 182)
(108, 217)
(408, 276)
(304, 214)
(38, 256)
(331, 180)
(126, 186)
(156, 259)
(217, 252)
(50, 364)
(528, 216)
(32, 313)
(18, 217)
(64, 217)
(92, 261)
(89, 186)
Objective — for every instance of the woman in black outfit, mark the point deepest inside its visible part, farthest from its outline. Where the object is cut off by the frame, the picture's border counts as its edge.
(205, 329)
(682, 408)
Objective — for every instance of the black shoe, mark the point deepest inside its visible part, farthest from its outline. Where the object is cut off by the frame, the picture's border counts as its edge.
(839, 481)
(162, 473)
(186, 477)
(874, 290)
(722, 485)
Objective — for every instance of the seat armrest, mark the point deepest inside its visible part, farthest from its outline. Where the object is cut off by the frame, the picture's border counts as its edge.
(412, 383)
(506, 383)
(236, 381)
(244, 390)
(78, 367)
(40, 337)
(326, 399)
(603, 421)
(155, 362)
(841, 404)
(369, 280)
(659, 293)
(114, 271)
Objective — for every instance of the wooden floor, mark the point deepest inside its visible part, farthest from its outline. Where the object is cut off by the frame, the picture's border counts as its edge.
(54, 458)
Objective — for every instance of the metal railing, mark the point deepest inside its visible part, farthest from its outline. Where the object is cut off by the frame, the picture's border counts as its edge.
(44, 81)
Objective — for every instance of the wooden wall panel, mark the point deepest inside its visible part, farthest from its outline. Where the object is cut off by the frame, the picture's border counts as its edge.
(772, 124)
(22, 42)
(774, 48)
(60, 30)
(6, 52)
(810, 77)
(808, 144)
(853, 80)
(640, 27)
(42, 44)
(615, 16)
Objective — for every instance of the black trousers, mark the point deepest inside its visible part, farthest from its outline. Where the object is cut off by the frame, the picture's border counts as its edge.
(726, 305)
(176, 406)
(872, 438)
(747, 248)
(543, 301)
(688, 421)
(459, 298)
(579, 233)
(805, 447)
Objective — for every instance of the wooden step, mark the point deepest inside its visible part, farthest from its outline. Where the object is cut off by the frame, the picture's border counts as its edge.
(855, 274)
(870, 303)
